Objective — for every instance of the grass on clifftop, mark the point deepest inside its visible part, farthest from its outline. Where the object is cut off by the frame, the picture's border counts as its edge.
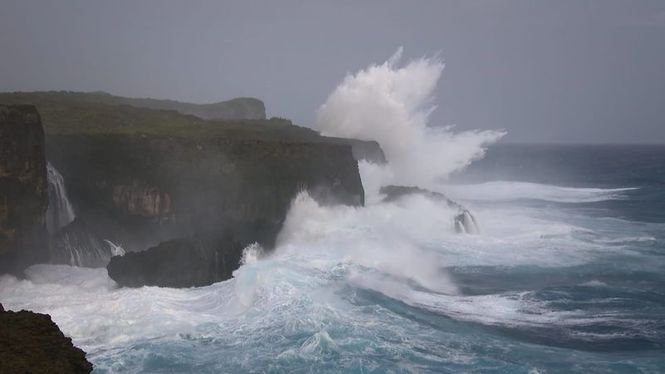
(82, 113)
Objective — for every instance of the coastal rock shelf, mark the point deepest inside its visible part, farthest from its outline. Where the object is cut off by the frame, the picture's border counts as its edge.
(33, 343)
(190, 262)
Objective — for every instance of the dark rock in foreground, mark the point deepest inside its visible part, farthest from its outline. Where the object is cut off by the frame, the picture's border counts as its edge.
(191, 262)
(23, 189)
(464, 222)
(32, 343)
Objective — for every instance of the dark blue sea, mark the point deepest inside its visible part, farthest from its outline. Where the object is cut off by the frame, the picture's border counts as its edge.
(566, 274)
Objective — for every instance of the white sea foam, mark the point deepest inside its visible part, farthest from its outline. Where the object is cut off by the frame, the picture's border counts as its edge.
(391, 103)
(401, 249)
(507, 190)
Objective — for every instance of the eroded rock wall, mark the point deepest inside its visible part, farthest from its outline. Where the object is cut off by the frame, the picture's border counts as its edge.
(139, 191)
(33, 343)
(23, 189)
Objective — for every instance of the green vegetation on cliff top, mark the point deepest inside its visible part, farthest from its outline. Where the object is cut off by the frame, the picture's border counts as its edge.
(100, 113)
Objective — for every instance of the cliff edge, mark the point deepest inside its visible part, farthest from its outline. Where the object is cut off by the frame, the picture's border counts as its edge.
(23, 189)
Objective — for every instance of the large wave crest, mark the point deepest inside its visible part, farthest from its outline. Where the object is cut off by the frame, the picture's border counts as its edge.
(391, 103)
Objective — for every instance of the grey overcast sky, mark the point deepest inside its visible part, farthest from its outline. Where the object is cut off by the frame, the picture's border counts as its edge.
(547, 71)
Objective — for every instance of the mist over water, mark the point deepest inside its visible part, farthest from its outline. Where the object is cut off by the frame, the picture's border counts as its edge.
(549, 284)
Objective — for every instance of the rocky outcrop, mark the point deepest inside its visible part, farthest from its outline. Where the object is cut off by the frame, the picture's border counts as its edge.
(463, 221)
(139, 177)
(189, 262)
(23, 189)
(32, 343)
(139, 191)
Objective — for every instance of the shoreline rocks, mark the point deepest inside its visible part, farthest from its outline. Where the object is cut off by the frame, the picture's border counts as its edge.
(179, 263)
(33, 343)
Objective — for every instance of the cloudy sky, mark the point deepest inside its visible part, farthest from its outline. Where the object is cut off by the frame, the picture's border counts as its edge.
(546, 71)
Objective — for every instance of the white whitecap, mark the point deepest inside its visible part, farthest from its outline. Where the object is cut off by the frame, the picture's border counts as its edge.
(507, 191)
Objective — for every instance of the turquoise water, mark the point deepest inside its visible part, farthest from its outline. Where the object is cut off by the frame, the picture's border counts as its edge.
(566, 275)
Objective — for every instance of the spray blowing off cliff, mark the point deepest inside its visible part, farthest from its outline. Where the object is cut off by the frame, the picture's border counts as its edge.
(391, 103)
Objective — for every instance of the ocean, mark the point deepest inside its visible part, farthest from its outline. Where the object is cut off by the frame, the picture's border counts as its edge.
(567, 274)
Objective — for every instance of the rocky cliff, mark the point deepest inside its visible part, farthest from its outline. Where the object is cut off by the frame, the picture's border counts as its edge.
(234, 109)
(363, 150)
(139, 190)
(32, 343)
(23, 189)
(138, 177)
(101, 113)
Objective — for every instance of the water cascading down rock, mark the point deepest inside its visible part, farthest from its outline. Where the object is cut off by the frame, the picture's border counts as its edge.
(140, 178)
(72, 241)
(60, 212)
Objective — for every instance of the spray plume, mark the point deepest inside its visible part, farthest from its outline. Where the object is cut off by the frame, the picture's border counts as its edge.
(391, 103)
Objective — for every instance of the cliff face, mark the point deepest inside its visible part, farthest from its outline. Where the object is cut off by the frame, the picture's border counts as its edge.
(138, 177)
(149, 188)
(139, 190)
(23, 189)
(32, 343)
(363, 150)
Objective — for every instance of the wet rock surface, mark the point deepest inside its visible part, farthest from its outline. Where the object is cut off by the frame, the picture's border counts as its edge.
(33, 343)
(190, 262)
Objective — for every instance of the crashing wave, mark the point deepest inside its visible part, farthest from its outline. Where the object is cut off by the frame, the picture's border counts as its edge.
(464, 221)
